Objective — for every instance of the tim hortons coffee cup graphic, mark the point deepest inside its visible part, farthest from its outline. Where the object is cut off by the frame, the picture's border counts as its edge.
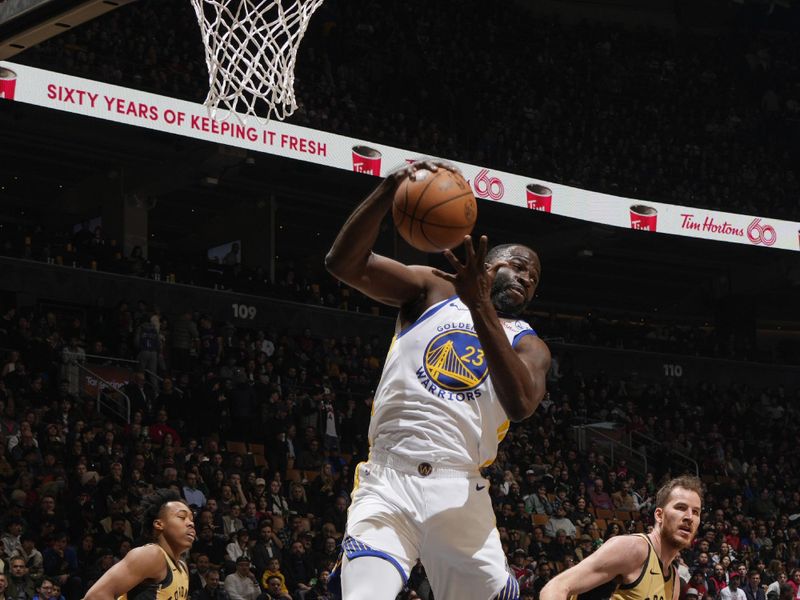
(539, 197)
(366, 160)
(643, 217)
(8, 83)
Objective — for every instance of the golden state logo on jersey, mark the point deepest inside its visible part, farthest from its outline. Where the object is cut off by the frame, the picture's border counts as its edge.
(454, 365)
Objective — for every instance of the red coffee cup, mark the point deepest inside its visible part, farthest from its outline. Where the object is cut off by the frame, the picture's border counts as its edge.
(643, 217)
(539, 197)
(8, 83)
(366, 160)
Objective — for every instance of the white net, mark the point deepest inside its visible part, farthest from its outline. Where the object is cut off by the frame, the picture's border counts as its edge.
(251, 51)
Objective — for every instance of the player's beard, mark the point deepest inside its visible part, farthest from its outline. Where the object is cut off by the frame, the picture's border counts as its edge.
(678, 540)
(502, 299)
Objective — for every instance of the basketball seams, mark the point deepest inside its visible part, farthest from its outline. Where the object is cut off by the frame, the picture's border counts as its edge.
(409, 215)
(420, 196)
(442, 225)
(441, 204)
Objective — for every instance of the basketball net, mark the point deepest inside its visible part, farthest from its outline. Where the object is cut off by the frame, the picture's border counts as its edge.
(251, 51)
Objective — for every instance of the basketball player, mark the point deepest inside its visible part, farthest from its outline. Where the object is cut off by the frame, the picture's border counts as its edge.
(153, 571)
(461, 366)
(639, 566)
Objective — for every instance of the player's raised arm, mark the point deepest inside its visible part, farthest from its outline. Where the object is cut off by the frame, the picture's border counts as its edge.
(503, 282)
(618, 558)
(139, 565)
(352, 260)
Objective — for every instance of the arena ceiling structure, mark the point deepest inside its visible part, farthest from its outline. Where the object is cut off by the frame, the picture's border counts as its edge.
(59, 166)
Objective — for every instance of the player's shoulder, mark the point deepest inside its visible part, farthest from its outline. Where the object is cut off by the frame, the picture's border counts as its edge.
(634, 548)
(149, 559)
(435, 289)
(516, 326)
(431, 281)
(147, 551)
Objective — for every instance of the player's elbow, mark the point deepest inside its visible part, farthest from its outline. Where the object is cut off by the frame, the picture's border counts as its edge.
(554, 590)
(341, 267)
(519, 414)
(333, 263)
(97, 593)
(524, 407)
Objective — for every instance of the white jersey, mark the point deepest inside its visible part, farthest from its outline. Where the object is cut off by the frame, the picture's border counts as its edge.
(435, 401)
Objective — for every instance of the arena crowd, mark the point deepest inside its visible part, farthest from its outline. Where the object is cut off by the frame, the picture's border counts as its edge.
(261, 432)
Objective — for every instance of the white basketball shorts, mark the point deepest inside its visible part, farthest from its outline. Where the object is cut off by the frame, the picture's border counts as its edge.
(404, 510)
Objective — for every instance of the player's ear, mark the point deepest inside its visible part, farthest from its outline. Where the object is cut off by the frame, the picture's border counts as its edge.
(158, 525)
(659, 514)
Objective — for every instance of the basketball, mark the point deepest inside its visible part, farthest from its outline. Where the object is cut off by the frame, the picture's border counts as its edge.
(435, 211)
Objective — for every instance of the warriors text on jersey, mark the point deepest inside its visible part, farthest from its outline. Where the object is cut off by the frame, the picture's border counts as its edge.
(435, 400)
(175, 586)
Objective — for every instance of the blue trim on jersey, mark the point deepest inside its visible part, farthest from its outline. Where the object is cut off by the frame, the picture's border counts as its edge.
(427, 314)
(510, 591)
(353, 549)
(521, 335)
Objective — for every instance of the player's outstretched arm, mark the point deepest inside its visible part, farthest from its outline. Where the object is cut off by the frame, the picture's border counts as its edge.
(140, 564)
(352, 260)
(619, 557)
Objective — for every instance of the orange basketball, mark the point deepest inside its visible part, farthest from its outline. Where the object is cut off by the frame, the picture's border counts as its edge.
(435, 211)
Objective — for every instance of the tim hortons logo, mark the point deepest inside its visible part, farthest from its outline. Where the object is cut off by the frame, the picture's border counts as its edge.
(488, 187)
(756, 232)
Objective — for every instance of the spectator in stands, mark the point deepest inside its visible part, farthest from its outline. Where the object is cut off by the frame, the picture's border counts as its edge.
(148, 342)
(20, 584)
(239, 547)
(193, 495)
(599, 497)
(72, 358)
(242, 584)
(773, 589)
(161, 429)
(337, 515)
(558, 547)
(141, 400)
(45, 591)
(3, 586)
(718, 580)
(273, 570)
(278, 505)
(698, 580)
(211, 545)
(752, 589)
(212, 590)
(585, 546)
(61, 563)
(733, 591)
(580, 516)
(319, 590)
(199, 573)
(137, 263)
(275, 590)
(185, 339)
(12, 545)
(32, 556)
(624, 498)
(539, 503)
(267, 547)
(544, 573)
(299, 569)
(560, 522)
